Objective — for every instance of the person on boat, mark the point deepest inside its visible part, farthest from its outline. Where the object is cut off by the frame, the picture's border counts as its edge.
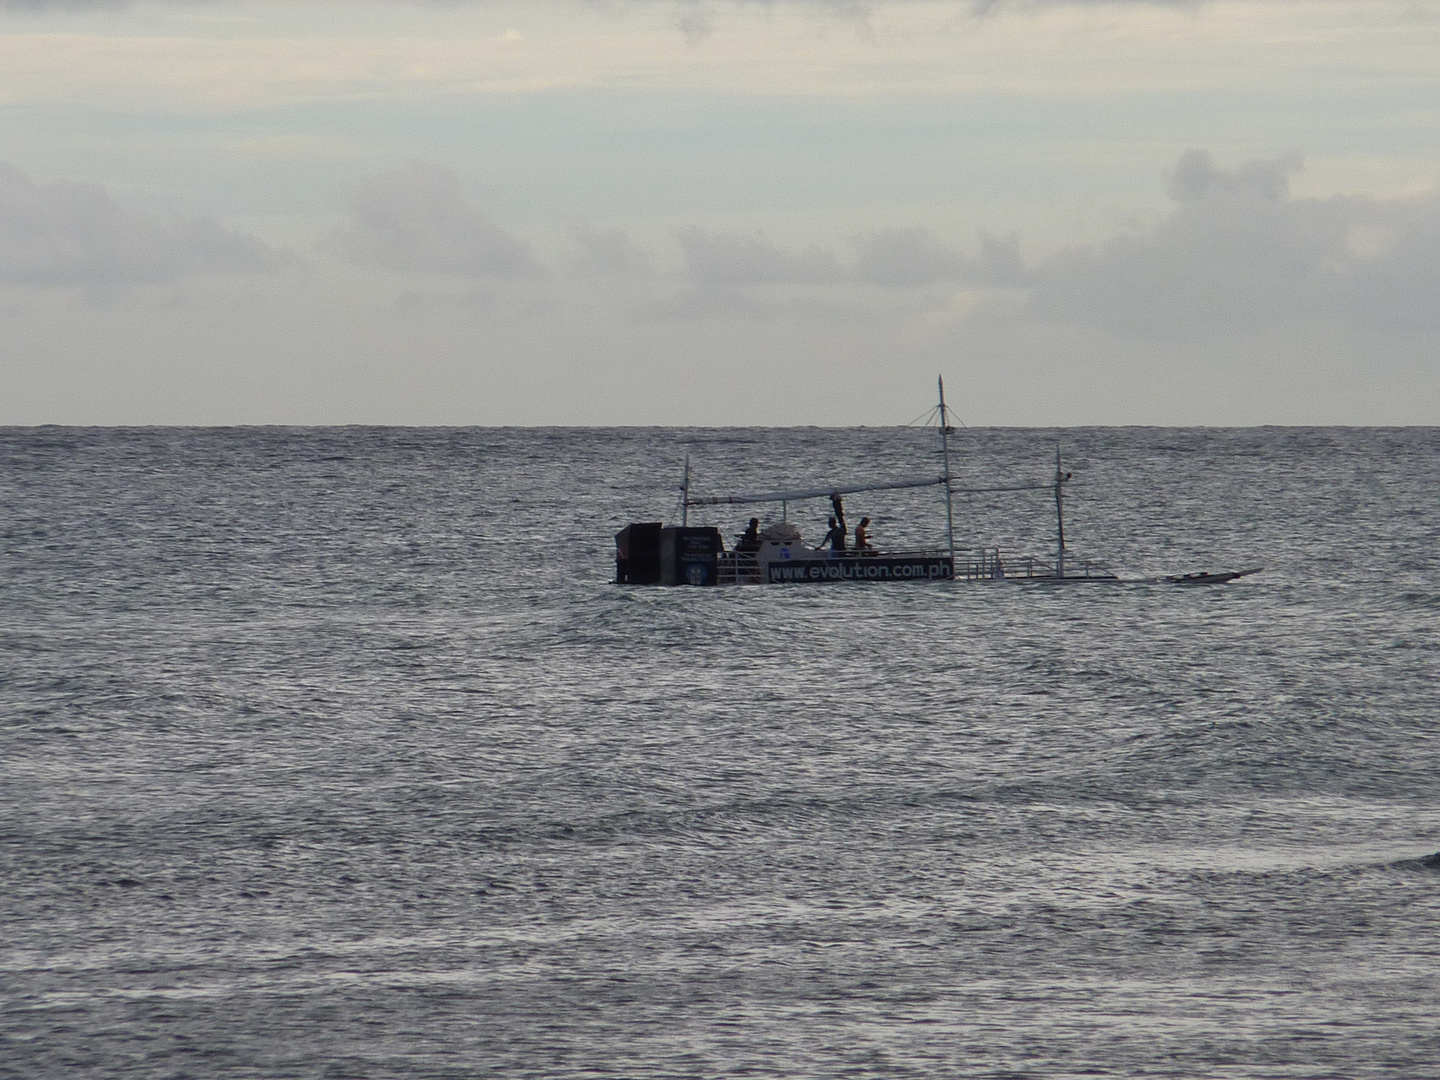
(835, 538)
(862, 537)
(750, 539)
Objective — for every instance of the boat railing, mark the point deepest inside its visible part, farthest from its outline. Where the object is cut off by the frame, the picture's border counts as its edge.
(988, 564)
(738, 568)
(974, 564)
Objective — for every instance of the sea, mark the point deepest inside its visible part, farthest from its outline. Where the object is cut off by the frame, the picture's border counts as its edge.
(335, 752)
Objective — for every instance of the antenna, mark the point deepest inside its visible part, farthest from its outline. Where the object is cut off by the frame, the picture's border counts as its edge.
(945, 432)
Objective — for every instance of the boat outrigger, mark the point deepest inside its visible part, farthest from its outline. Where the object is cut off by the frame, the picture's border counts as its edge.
(651, 553)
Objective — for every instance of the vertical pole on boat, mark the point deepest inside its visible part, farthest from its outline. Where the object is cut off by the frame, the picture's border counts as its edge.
(1059, 517)
(945, 452)
(685, 495)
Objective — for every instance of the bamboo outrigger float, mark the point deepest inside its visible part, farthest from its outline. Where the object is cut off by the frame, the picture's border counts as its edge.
(650, 553)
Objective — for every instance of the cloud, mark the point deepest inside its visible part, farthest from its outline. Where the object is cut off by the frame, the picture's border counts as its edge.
(1237, 254)
(609, 253)
(60, 5)
(1196, 179)
(724, 304)
(489, 301)
(987, 7)
(728, 259)
(905, 258)
(63, 233)
(692, 16)
(175, 58)
(418, 219)
(912, 257)
(899, 258)
(740, 276)
(1239, 251)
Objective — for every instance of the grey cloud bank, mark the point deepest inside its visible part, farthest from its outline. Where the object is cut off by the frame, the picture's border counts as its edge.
(63, 233)
(419, 219)
(727, 260)
(912, 257)
(1237, 251)
(897, 258)
(1241, 276)
(607, 252)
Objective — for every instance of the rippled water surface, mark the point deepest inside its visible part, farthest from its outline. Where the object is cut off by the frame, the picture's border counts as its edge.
(333, 753)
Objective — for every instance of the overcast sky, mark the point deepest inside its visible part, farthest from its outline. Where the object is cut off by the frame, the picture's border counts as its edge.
(717, 212)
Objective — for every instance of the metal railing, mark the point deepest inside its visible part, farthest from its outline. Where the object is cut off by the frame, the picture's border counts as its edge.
(977, 564)
(987, 564)
(738, 568)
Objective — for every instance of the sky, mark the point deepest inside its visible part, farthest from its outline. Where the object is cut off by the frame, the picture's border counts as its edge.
(723, 212)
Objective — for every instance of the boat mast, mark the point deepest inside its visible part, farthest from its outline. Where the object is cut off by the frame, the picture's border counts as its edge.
(945, 430)
(1060, 479)
(685, 495)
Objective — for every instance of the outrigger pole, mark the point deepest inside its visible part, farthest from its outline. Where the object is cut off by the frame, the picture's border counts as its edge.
(945, 430)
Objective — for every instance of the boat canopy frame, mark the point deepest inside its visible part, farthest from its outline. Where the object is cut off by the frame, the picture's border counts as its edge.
(834, 490)
(945, 479)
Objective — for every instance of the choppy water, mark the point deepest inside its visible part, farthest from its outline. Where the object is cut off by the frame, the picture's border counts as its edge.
(332, 753)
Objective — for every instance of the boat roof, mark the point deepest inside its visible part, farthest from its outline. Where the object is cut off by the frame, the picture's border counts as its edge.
(833, 490)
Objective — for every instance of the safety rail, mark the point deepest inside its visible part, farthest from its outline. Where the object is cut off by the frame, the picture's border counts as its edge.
(737, 568)
(989, 565)
(981, 564)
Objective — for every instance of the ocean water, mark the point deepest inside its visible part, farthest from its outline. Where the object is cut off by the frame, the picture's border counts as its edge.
(334, 753)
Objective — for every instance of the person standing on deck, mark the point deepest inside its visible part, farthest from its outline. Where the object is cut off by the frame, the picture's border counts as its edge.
(862, 538)
(836, 536)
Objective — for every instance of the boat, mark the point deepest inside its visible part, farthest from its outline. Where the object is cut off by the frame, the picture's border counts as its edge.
(652, 553)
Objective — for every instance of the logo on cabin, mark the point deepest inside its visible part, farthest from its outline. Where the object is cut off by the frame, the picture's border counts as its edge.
(878, 569)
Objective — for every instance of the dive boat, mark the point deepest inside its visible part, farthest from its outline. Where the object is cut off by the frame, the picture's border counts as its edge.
(652, 553)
